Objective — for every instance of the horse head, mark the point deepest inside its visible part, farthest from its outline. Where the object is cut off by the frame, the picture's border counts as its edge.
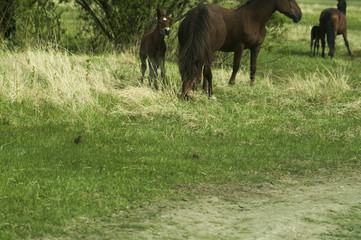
(163, 22)
(289, 8)
(341, 5)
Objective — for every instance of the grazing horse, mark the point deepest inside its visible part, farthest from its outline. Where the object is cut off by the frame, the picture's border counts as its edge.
(153, 46)
(210, 28)
(333, 23)
(315, 35)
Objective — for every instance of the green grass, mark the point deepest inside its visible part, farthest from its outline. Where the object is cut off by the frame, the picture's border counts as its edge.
(344, 225)
(139, 145)
(347, 224)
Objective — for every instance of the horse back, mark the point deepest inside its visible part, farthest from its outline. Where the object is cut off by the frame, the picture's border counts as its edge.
(337, 18)
(240, 29)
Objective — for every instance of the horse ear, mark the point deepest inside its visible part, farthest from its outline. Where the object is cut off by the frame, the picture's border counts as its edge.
(158, 13)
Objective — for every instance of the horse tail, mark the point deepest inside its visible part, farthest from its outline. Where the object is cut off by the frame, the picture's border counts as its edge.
(330, 30)
(194, 44)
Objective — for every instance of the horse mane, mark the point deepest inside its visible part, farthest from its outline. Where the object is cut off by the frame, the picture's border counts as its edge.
(247, 2)
(244, 4)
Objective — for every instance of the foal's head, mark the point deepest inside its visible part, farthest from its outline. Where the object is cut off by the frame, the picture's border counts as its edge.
(289, 8)
(163, 22)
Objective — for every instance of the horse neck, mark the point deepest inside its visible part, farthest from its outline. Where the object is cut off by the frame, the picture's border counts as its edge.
(260, 10)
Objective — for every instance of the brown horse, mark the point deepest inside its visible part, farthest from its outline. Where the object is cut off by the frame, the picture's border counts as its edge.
(333, 23)
(315, 36)
(209, 28)
(153, 46)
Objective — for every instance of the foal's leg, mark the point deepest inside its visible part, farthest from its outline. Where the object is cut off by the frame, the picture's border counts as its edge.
(162, 69)
(143, 66)
(236, 62)
(153, 72)
(317, 42)
(346, 43)
(311, 45)
(254, 55)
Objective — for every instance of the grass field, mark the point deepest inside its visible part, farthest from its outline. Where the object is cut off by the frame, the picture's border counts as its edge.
(302, 118)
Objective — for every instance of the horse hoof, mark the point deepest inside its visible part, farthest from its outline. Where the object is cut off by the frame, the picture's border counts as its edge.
(231, 82)
(213, 98)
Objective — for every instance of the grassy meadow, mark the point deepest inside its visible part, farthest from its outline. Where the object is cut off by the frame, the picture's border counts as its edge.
(302, 118)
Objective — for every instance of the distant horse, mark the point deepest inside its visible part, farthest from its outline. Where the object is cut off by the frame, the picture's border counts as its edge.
(315, 36)
(210, 28)
(153, 46)
(333, 23)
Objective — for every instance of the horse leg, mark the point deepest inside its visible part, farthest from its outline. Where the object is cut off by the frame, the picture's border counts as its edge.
(331, 43)
(162, 69)
(207, 75)
(254, 55)
(156, 66)
(143, 66)
(205, 81)
(153, 72)
(346, 43)
(323, 44)
(236, 62)
(312, 46)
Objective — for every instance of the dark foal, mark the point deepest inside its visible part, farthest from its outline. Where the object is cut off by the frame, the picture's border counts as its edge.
(315, 36)
(210, 28)
(153, 46)
(333, 23)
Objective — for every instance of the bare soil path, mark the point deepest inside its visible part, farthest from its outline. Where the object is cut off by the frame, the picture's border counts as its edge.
(286, 210)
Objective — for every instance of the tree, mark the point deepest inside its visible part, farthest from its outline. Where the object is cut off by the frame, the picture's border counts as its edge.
(34, 21)
(7, 22)
(122, 21)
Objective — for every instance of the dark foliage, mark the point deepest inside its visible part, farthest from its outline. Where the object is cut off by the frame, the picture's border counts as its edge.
(30, 21)
(124, 21)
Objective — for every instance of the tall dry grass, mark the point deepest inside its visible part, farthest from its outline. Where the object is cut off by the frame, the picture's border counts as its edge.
(76, 81)
(112, 81)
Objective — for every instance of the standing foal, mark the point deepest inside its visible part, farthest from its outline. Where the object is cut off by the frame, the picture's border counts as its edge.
(153, 47)
(315, 35)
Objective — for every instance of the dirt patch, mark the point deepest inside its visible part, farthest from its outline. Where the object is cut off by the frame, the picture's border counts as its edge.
(286, 210)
